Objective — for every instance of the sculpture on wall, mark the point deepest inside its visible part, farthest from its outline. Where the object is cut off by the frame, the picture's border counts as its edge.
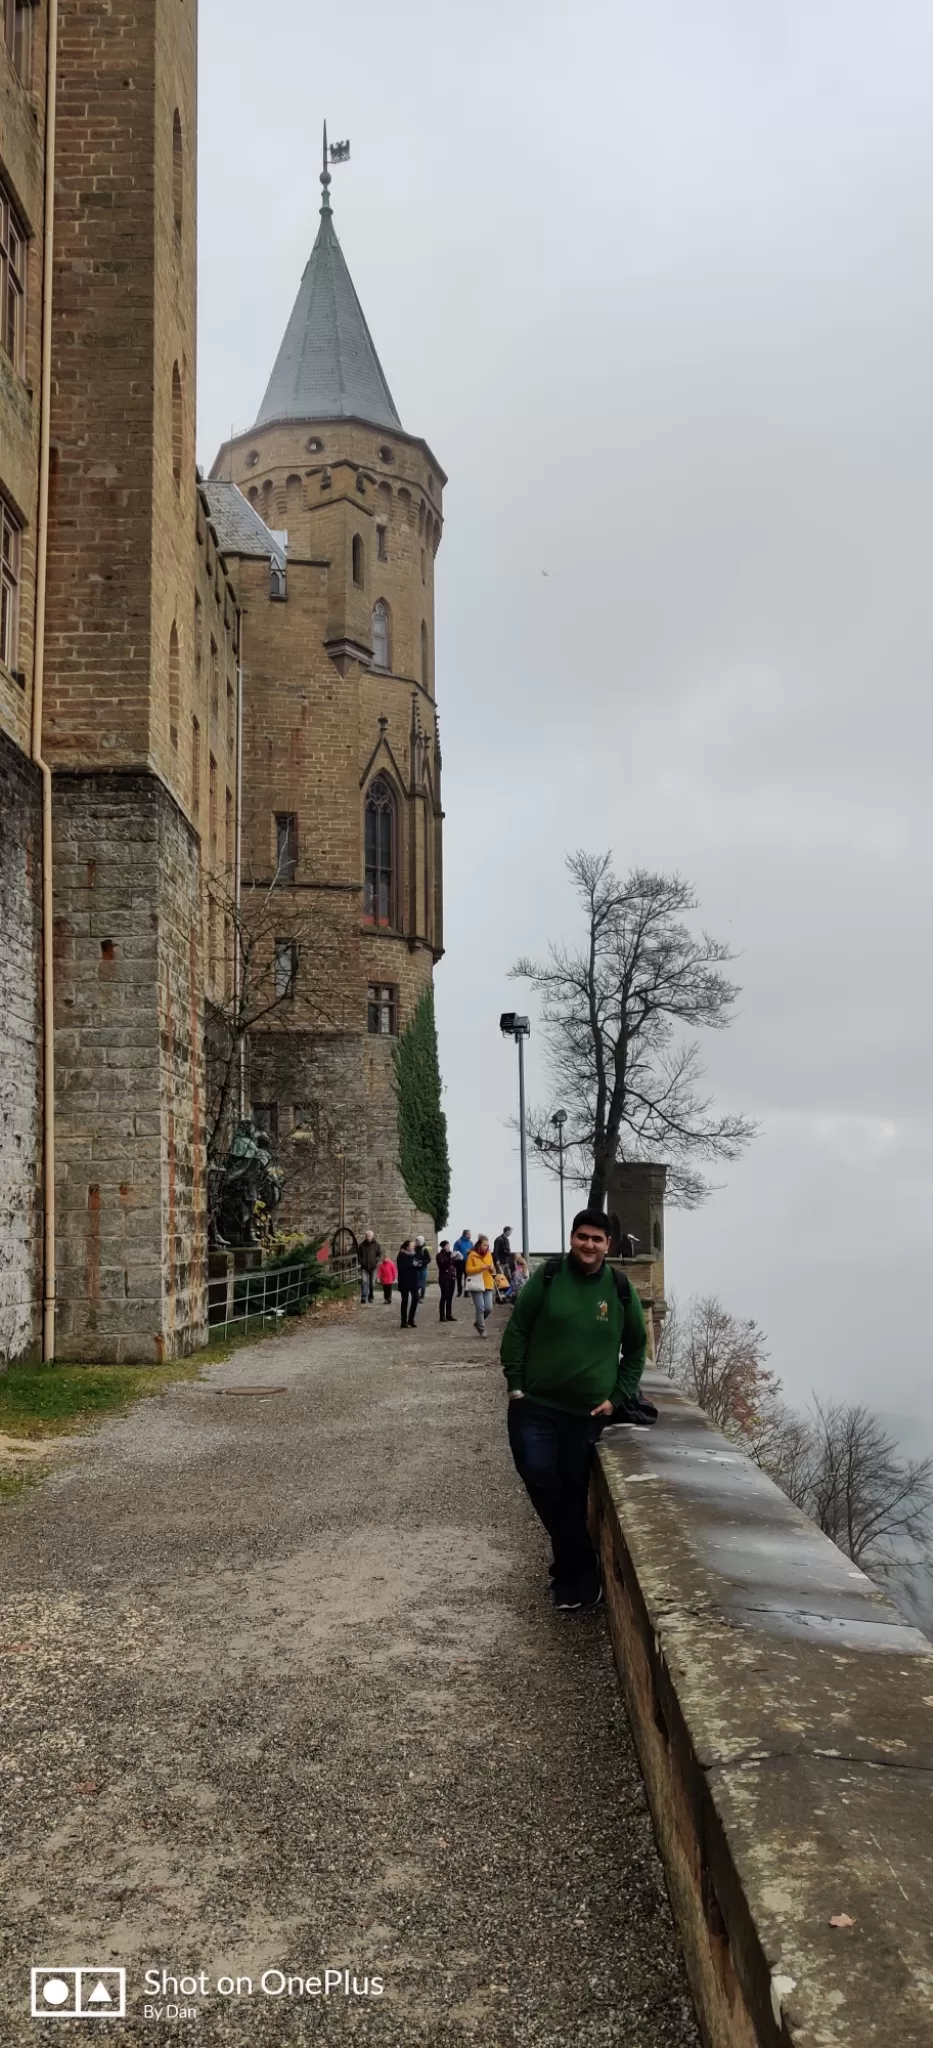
(246, 1178)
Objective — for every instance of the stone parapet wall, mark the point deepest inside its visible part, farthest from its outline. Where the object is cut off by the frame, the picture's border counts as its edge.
(20, 1052)
(783, 1715)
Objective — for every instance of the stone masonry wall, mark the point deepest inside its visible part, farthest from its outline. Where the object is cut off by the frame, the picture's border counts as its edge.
(336, 1093)
(129, 1071)
(20, 1052)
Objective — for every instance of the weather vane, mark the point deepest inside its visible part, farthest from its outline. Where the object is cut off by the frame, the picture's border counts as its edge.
(334, 153)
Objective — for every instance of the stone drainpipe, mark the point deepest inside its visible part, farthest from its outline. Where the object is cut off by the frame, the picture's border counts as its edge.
(42, 550)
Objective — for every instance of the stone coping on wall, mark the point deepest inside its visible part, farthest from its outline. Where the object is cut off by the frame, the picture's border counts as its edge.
(783, 1712)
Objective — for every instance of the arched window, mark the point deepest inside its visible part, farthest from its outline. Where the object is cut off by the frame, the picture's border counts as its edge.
(379, 894)
(382, 646)
(178, 172)
(656, 1236)
(268, 495)
(174, 686)
(177, 425)
(278, 587)
(358, 561)
(253, 495)
(425, 663)
(294, 498)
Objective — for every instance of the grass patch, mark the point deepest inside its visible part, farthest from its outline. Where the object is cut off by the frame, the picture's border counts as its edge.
(50, 1400)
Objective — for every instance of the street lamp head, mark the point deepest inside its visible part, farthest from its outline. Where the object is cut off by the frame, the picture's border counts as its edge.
(559, 1118)
(512, 1026)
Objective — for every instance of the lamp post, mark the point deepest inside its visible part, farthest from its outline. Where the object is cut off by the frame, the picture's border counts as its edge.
(558, 1120)
(519, 1028)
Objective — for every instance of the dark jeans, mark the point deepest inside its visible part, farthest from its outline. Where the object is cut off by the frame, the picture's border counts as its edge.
(459, 1281)
(408, 1297)
(447, 1295)
(366, 1285)
(553, 1454)
(387, 1291)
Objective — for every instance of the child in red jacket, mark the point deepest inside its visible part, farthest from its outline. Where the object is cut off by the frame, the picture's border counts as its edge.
(387, 1274)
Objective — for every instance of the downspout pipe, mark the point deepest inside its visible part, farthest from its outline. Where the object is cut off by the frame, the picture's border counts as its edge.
(38, 686)
(237, 874)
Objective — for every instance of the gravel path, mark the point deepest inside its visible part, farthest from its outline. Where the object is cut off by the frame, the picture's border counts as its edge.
(280, 1690)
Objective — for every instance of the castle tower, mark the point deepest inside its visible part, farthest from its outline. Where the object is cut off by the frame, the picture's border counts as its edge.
(341, 760)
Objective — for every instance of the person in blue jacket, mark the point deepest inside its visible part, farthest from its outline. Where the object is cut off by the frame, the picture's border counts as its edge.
(463, 1244)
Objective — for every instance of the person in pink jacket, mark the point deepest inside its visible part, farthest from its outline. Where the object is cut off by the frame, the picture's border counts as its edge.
(387, 1274)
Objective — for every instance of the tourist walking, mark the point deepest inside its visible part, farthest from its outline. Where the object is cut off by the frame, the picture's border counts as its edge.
(423, 1257)
(369, 1255)
(408, 1276)
(502, 1250)
(447, 1278)
(463, 1245)
(387, 1274)
(519, 1277)
(478, 1282)
(573, 1350)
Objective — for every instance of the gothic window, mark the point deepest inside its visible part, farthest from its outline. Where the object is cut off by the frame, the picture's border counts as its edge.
(382, 649)
(358, 561)
(286, 845)
(382, 1009)
(379, 894)
(278, 585)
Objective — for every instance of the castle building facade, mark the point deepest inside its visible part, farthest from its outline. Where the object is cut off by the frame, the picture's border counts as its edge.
(177, 682)
(342, 812)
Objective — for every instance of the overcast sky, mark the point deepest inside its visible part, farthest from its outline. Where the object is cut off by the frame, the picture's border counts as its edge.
(654, 282)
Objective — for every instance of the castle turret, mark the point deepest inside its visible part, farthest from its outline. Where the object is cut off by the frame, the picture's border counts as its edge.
(340, 736)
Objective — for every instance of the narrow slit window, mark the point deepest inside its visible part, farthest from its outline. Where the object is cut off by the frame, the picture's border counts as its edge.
(10, 556)
(286, 969)
(286, 845)
(382, 1009)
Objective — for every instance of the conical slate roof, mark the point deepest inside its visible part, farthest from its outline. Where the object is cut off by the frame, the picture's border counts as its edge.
(327, 367)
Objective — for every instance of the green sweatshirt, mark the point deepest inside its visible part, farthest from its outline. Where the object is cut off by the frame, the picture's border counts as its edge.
(562, 1344)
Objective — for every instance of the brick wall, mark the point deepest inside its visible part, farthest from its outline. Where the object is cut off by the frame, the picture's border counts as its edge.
(20, 995)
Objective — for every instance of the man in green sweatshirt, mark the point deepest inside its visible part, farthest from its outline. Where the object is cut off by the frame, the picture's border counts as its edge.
(573, 1350)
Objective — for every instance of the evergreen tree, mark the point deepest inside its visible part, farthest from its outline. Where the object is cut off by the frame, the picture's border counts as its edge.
(422, 1125)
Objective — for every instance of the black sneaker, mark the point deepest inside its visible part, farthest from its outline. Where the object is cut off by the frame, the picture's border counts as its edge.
(566, 1598)
(591, 1595)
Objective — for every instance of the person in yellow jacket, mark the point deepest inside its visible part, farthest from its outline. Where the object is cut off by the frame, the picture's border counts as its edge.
(479, 1283)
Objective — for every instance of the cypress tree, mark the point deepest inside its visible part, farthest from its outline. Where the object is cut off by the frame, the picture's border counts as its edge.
(422, 1125)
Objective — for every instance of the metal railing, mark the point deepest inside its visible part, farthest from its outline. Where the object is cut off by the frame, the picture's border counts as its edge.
(242, 1302)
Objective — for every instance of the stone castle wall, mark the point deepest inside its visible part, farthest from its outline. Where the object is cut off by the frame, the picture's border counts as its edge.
(20, 1052)
(129, 1055)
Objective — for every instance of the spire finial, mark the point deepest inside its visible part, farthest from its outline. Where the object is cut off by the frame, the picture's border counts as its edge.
(325, 177)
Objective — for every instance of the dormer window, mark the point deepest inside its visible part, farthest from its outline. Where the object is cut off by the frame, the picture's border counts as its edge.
(278, 587)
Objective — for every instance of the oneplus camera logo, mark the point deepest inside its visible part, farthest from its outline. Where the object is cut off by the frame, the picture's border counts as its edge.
(78, 1994)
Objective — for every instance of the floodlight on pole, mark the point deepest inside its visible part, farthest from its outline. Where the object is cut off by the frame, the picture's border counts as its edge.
(559, 1119)
(519, 1028)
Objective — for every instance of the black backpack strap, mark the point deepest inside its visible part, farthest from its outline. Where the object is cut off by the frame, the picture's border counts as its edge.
(548, 1270)
(623, 1286)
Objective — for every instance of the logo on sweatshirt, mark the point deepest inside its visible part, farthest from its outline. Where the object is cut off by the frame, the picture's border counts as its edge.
(602, 1311)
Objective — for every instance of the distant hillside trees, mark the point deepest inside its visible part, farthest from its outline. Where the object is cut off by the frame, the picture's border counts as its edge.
(837, 1462)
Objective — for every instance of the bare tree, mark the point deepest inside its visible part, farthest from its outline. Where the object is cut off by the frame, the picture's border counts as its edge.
(615, 1010)
(720, 1362)
(280, 970)
(859, 1489)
